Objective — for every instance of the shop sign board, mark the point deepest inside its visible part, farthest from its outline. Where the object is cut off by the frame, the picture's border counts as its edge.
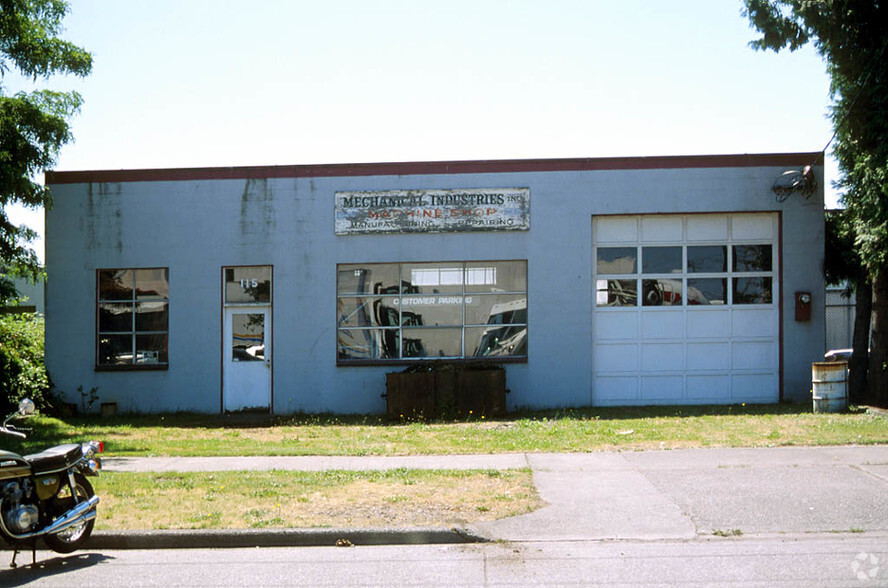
(432, 211)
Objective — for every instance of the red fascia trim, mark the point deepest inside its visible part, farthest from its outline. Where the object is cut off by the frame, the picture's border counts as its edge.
(434, 167)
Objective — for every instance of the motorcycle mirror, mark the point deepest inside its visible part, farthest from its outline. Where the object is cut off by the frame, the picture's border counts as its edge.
(26, 406)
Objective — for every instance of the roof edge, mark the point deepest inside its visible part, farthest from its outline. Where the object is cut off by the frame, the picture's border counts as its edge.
(434, 167)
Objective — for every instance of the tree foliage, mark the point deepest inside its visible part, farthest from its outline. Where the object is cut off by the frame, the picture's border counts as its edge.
(852, 38)
(33, 125)
(22, 372)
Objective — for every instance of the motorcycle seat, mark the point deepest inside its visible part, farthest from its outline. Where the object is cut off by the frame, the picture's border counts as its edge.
(55, 459)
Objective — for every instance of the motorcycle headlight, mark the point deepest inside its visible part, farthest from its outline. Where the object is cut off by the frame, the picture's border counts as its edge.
(92, 448)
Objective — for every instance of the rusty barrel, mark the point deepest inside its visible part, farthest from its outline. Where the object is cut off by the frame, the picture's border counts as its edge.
(830, 386)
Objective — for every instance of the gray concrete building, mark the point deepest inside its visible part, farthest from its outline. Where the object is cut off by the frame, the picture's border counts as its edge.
(612, 281)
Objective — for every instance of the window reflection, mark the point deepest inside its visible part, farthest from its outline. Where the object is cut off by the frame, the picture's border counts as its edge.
(115, 317)
(661, 260)
(132, 317)
(244, 285)
(707, 291)
(707, 259)
(115, 350)
(752, 258)
(429, 314)
(432, 310)
(152, 283)
(368, 344)
(661, 292)
(151, 349)
(248, 337)
(116, 284)
(617, 260)
(431, 342)
(496, 310)
(377, 278)
(433, 278)
(497, 276)
(616, 293)
(752, 290)
(502, 341)
(152, 316)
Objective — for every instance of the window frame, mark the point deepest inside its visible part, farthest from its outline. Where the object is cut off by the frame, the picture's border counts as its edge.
(405, 316)
(134, 300)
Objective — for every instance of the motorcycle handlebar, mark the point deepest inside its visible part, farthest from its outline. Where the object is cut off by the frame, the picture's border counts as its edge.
(8, 431)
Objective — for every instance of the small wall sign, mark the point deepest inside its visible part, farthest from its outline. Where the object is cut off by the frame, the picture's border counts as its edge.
(433, 211)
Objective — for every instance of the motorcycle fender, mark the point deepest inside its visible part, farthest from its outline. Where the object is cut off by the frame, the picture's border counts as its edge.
(48, 486)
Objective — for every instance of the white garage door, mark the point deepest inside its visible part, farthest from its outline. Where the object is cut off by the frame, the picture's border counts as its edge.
(686, 309)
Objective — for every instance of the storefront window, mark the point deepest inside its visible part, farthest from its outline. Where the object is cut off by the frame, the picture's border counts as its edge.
(132, 330)
(451, 310)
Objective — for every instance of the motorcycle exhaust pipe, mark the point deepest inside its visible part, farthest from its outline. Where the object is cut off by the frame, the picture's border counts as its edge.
(84, 511)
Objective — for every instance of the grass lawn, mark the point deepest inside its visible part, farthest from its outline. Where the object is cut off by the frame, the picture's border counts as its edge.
(338, 499)
(593, 429)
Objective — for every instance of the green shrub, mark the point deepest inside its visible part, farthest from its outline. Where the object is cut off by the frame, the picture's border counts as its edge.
(22, 371)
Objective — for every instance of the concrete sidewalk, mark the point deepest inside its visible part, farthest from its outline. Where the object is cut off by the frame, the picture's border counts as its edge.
(651, 495)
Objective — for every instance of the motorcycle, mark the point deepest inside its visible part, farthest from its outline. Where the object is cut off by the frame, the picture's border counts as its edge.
(46, 495)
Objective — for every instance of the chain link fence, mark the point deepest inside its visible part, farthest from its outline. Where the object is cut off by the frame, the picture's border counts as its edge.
(839, 318)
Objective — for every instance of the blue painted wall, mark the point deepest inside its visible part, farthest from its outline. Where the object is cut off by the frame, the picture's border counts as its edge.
(196, 227)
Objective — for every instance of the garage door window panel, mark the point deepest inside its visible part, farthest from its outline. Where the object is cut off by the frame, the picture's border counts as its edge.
(617, 260)
(616, 292)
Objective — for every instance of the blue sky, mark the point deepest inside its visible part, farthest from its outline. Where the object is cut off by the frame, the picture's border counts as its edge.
(194, 83)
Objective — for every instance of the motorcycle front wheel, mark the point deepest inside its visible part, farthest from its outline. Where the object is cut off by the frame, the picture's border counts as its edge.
(72, 538)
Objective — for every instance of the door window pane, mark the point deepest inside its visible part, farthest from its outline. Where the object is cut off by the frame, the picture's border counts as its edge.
(244, 285)
(661, 260)
(248, 337)
(617, 260)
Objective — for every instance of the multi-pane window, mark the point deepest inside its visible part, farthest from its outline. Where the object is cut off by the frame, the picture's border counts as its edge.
(675, 275)
(133, 318)
(414, 311)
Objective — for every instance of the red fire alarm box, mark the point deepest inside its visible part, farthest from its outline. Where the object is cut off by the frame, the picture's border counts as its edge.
(803, 306)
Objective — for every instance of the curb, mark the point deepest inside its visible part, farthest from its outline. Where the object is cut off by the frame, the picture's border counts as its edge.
(239, 538)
